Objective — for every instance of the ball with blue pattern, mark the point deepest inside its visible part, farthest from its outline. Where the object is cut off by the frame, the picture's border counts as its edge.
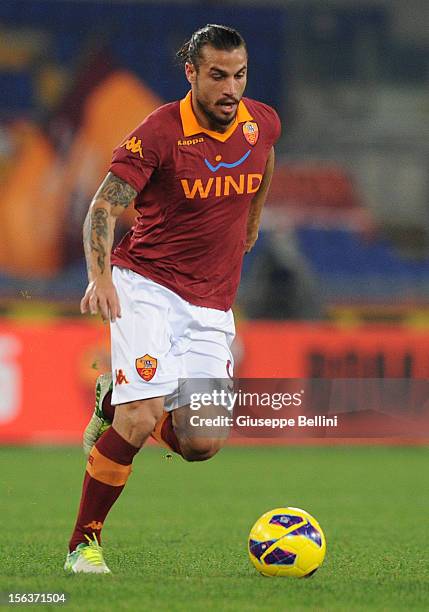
(287, 542)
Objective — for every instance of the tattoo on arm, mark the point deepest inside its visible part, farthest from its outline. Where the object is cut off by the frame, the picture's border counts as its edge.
(116, 191)
(100, 221)
(100, 235)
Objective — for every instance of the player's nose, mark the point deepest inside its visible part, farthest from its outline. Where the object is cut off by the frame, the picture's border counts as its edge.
(230, 88)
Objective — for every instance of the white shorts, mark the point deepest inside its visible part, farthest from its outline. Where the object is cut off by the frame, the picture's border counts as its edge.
(160, 338)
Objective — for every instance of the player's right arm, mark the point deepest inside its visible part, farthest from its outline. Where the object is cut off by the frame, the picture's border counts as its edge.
(112, 198)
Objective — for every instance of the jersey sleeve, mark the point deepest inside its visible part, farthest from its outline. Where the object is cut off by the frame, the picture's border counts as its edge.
(277, 126)
(135, 159)
(270, 122)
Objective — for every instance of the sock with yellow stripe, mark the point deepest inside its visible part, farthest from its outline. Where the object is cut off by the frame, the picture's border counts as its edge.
(165, 435)
(107, 471)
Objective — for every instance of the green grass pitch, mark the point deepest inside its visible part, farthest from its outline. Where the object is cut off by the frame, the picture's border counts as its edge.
(176, 539)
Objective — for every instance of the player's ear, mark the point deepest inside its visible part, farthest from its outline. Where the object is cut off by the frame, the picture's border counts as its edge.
(190, 72)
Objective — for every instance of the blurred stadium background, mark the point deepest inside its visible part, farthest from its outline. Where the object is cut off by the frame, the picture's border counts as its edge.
(337, 285)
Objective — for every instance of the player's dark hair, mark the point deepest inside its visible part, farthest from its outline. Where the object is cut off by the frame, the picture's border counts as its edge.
(218, 36)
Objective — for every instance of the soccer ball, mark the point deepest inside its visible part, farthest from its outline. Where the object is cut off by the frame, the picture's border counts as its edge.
(287, 542)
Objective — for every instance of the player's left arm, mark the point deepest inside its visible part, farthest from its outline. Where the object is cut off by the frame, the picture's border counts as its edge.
(257, 204)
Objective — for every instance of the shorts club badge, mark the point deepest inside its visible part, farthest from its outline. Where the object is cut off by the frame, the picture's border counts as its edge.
(251, 132)
(146, 367)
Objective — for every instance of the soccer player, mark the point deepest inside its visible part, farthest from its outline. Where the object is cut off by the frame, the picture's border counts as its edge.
(198, 170)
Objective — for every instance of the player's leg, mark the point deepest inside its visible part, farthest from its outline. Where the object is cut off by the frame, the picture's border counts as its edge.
(141, 344)
(165, 434)
(150, 319)
(202, 341)
(205, 336)
(107, 471)
(201, 442)
(104, 413)
(172, 430)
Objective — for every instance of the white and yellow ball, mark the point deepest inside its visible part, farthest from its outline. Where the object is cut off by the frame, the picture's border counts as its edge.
(287, 542)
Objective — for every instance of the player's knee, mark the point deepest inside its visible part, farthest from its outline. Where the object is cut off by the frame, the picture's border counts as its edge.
(136, 420)
(200, 449)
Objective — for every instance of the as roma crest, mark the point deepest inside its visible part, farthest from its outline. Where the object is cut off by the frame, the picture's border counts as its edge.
(146, 367)
(251, 132)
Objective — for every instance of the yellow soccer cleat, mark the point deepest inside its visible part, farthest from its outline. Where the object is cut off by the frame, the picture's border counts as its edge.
(86, 559)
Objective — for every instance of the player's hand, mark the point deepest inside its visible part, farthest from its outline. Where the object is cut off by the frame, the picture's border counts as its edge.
(101, 297)
(251, 238)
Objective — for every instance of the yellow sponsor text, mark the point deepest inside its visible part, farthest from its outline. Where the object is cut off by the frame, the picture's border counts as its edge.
(221, 186)
(189, 141)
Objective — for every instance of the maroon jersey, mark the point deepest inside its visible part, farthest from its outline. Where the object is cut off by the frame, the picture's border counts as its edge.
(194, 190)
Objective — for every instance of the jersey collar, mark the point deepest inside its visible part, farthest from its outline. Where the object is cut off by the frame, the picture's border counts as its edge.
(191, 126)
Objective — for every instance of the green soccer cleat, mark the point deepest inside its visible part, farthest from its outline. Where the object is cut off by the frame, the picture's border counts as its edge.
(86, 559)
(98, 423)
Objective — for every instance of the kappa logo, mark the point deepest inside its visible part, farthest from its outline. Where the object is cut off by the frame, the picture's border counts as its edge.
(97, 525)
(190, 141)
(134, 145)
(120, 378)
(146, 367)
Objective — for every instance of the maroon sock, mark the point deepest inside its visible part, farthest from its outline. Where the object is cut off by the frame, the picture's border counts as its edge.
(107, 470)
(169, 435)
(108, 409)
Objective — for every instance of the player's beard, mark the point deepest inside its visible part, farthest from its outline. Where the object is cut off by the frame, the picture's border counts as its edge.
(214, 119)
